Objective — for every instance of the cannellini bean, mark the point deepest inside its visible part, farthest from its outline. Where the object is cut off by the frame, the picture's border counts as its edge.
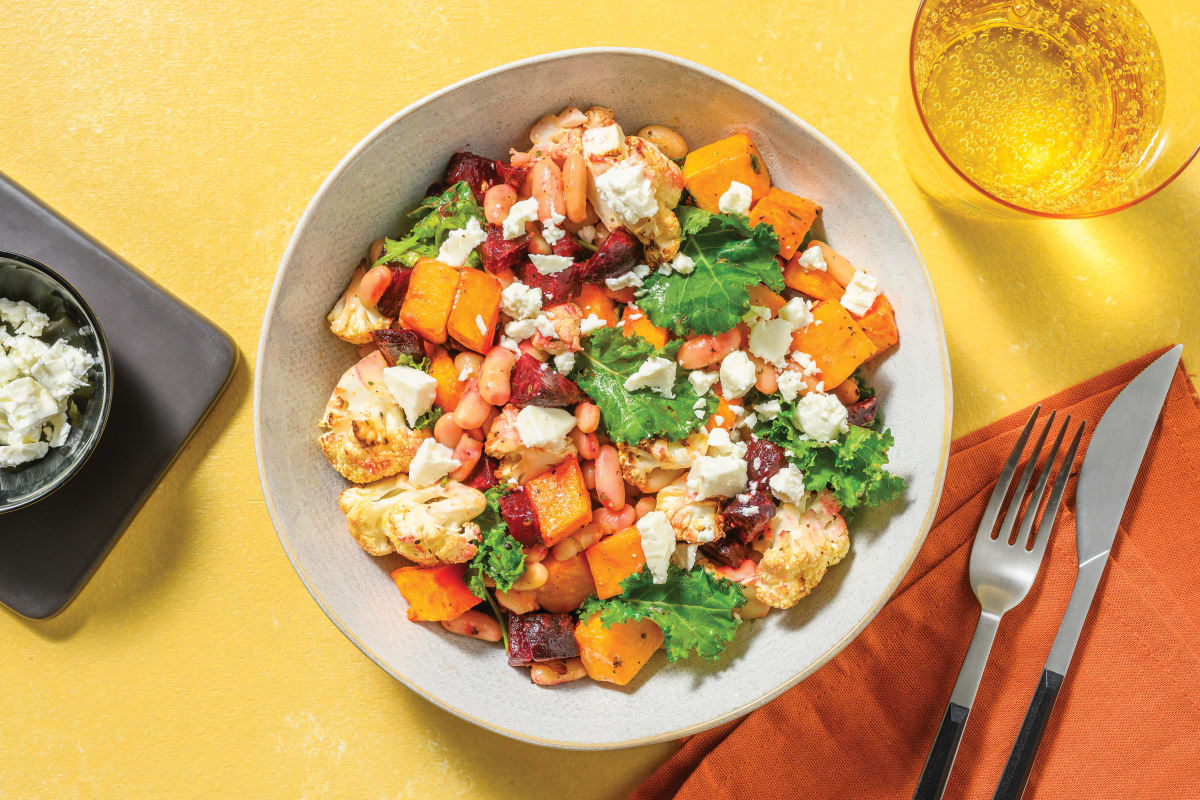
(552, 673)
(644, 507)
(468, 363)
(497, 201)
(705, 350)
(528, 349)
(374, 284)
(587, 417)
(471, 410)
(768, 380)
(467, 453)
(535, 553)
(588, 468)
(574, 177)
(517, 601)
(494, 375)
(546, 181)
(585, 443)
(612, 521)
(446, 431)
(567, 548)
(534, 577)
(847, 391)
(475, 624)
(838, 266)
(506, 277)
(588, 535)
(538, 245)
(375, 251)
(610, 487)
(665, 139)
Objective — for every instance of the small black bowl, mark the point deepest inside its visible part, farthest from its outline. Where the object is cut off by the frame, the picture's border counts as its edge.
(22, 278)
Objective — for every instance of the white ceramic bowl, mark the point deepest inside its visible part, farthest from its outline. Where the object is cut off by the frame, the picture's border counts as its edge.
(299, 362)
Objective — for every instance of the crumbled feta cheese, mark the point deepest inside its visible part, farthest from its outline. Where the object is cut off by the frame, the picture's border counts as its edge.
(544, 427)
(798, 312)
(545, 326)
(62, 369)
(591, 323)
(521, 212)
(771, 339)
(791, 383)
(719, 444)
(601, 141)
(718, 419)
(412, 389)
(520, 301)
(768, 410)
(564, 362)
(588, 233)
(684, 556)
(521, 329)
(23, 317)
(627, 191)
(860, 293)
(755, 314)
(25, 403)
(808, 366)
(465, 374)
(748, 422)
(702, 381)
(717, 476)
(700, 413)
(550, 230)
(736, 199)
(509, 343)
(699, 404)
(629, 280)
(813, 258)
(788, 485)
(550, 265)
(822, 416)
(16, 454)
(460, 243)
(737, 375)
(683, 264)
(658, 543)
(24, 351)
(432, 462)
(656, 374)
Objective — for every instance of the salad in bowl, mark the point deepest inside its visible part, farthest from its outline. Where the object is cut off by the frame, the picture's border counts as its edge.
(609, 398)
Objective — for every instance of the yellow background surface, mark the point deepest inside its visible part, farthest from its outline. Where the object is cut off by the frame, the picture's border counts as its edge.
(189, 136)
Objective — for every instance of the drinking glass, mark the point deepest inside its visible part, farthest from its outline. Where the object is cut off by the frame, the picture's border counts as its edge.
(1055, 108)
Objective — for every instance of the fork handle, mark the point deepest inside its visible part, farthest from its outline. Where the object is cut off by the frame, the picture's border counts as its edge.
(1020, 760)
(933, 779)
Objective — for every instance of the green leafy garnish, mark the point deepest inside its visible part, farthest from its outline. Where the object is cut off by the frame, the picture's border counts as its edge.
(436, 217)
(405, 360)
(852, 467)
(500, 556)
(730, 256)
(865, 390)
(608, 358)
(429, 418)
(694, 609)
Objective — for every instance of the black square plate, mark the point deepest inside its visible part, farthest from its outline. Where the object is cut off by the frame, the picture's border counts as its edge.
(169, 364)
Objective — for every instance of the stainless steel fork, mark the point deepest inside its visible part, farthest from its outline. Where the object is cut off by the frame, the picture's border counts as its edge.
(1003, 569)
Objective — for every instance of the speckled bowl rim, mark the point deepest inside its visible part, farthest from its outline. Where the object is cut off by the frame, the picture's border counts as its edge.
(886, 592)
(66, 475)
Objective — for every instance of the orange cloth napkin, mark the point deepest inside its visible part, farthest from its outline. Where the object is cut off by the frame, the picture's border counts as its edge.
(1127, 722)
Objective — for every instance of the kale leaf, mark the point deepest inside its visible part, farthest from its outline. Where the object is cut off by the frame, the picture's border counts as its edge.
(500, 556)
(436, 216)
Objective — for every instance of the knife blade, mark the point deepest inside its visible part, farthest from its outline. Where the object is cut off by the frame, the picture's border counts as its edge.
(1110, 467)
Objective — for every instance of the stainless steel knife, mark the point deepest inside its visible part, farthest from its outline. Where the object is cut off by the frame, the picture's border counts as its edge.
(1105, 481)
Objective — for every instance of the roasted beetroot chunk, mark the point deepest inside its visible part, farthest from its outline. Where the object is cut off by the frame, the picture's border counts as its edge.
(764, 459)
(570, 247)
(518, 515)
(617, 254)
(479, 173)
(393, 295)
(557, 288)
(483, 477)
(727, 550)
(746, 519)
(862, 413)
(536, 384)
(540, 637)
(513, 176)
(394, 344)
(499, 253)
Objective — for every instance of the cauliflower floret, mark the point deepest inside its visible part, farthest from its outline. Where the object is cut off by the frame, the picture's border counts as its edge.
(696, 521)
(429, 526)
(367, 437)
(566, 318)
(518, 462)
(804, 545)
(660, 232)
(652, 465)
(350, 319)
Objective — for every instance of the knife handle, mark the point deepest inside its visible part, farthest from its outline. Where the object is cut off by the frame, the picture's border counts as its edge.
(1024, 752)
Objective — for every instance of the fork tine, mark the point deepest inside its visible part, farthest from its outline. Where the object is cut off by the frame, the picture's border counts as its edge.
(1060, 485)
(1005, 480)
(1014, 507)
(1035, 499)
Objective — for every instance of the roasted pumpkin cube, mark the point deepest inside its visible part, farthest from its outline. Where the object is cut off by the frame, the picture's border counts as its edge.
(791, 217)
(449, 391)
(560, 500)
(435, 593)
(816, 283)
(476, 310)
(879, 323)
(431, 290)
(723, 417)
(637, 323)
(593, 300)
(707, 172)
(836, 342)
(762, 296)
(617, 653)
(569, 583)
(613, 559)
